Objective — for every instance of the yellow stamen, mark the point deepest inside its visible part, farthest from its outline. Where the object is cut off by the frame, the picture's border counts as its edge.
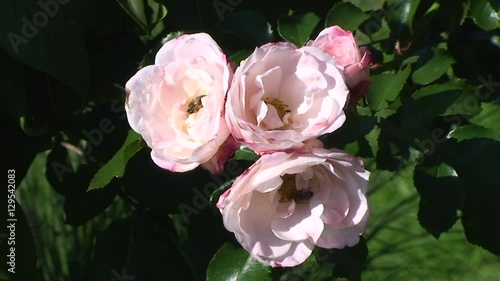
(281, 108)
(288, 191)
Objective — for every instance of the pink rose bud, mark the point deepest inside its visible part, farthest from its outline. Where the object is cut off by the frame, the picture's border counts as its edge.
(288, 203)
(341, 45)
(281, 96)
(177, 104)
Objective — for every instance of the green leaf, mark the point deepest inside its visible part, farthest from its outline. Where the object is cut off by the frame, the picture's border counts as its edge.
(116, 165)
(355, 128)
(476, 163)
(367, 5)
(400, 17)
(55, 46)
(393, 152)
(415, 117)
(297, 28)
(373, 31)
(147, 13)
(214, 197)
(434, 68)
(385, 88)
(345, 15)
(149, 58)
(411, 13)
(489, 117)
(484, 14)
(235, 263)
(440, 200)
(240, 55)
(257, 33)
(309, 269)
(438, 88)
(372, 138)
(468, 132)
(347, 262)
(467, 103)
(245, 154)
(50, 221)
(181, 231)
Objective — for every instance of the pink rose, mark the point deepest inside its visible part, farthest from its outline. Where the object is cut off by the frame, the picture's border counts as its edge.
(341, 45)
(288, 203)
(282, 96)
(177, 104)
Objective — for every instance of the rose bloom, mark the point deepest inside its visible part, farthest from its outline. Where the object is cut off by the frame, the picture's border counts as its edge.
(282, 96)
(177, 104)
(288, 203)
(342, 46)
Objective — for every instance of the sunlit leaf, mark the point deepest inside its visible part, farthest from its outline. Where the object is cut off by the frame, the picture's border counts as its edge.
(116, 165)
(297, 28)
(385, 88)
(484, 14)
(310, 269)
(467, 103)
(434, 68)
(245, 153)
(468, 132)
(345, 15)
(234, 263)
(438, 88)
(400, 18)
(489, 117)
(367, 5)
(147, 13)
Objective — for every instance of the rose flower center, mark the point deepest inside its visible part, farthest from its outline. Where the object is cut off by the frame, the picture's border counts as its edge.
(281, 108)
(288, 191)
(195, 105)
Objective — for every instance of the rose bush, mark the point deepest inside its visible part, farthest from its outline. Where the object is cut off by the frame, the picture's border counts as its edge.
(177, 104)
(282, 96)
(287, 203)
(342, 46)
(298, 195)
